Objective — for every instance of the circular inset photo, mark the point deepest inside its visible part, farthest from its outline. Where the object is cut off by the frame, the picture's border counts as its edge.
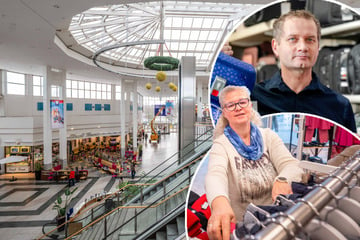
(298, 170)
(294, 56)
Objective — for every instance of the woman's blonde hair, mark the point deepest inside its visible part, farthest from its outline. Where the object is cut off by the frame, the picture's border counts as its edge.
(222, 121)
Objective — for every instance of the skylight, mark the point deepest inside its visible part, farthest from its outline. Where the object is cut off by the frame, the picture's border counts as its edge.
(188, 29)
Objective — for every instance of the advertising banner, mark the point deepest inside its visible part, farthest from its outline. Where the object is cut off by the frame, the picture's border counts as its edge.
(57, 113)
(169, 108)
(157, 108)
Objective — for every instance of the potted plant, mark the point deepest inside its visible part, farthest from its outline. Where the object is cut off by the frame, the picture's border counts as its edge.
(38, 168)
(61, 206)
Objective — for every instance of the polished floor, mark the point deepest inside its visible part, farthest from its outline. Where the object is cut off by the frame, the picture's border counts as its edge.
(26, 204)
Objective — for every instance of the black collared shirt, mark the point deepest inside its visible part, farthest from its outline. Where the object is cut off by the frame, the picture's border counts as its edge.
(275, 96)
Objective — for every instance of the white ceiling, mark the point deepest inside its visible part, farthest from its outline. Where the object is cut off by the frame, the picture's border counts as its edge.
(28, 28)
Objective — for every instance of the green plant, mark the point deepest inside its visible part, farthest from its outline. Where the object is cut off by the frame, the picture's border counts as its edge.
(38, 166)
(130, 190)
(61, 206)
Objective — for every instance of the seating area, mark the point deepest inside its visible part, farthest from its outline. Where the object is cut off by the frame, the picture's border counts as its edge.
(58, 174)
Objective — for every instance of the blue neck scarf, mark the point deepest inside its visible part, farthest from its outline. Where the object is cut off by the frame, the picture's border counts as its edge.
(252, 152)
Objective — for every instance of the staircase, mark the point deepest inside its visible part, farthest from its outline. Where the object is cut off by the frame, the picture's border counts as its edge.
(156, 207)
(130, 221)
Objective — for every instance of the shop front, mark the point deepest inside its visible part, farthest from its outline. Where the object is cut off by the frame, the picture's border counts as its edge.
(18, 159)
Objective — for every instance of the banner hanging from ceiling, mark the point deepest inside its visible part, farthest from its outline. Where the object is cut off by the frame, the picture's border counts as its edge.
(169, 108)
(57, 113)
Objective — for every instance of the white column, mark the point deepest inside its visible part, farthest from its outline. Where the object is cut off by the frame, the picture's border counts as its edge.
(122, 117)
(199, 99)
(2, 93)
(47, 131)
(187, 98)
(63, 131)
(134, 114)
(2, 155)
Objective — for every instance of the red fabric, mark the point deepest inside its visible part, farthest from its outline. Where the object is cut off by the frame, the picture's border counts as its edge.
(198, 206)
(203, 236)
(323, 135)
(58, 167)
(314, 122)
(72, 175)
(345, 138)
(323, 126)
(309, 133)
(193, 224)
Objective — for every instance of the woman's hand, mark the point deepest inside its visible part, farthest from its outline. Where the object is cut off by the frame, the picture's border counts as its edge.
(221, 216)
(227, 49)
(280, 188)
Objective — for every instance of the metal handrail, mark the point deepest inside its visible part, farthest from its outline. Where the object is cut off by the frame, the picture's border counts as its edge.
(144, 184)
(154, 204)
(151, 184)
(142, 177)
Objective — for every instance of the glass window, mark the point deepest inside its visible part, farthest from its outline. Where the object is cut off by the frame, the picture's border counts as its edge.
(98, 95)
(185, 22)
(38, 86)
(68, 92)
(81, 93)
(55, 91)
(15, 83)
(86, 94)
(117, 92)
(81, 85)
(93, 94)
(68, 89)
(74, 84)
(74, 93)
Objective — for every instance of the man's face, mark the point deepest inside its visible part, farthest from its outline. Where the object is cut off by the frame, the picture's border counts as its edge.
(298, 45)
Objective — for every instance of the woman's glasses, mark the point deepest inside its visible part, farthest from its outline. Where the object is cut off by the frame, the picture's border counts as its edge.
(242, 103)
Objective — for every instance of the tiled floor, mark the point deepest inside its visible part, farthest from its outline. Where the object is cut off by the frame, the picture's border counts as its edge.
(26, 204)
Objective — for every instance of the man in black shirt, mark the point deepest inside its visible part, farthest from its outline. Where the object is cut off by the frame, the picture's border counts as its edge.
(295, 88)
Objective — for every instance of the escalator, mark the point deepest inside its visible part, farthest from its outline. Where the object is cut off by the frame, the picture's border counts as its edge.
(143, 205)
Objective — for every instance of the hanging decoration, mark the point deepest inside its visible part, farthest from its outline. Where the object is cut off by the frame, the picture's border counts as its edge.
(171, 85)
(161, 63)
(148, 86)
(161, 76)
(157, 89)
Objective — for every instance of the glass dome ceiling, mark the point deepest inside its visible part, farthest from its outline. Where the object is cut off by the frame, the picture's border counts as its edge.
(187, 29)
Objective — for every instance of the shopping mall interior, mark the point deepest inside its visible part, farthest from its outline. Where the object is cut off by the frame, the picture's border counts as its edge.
(112, 99)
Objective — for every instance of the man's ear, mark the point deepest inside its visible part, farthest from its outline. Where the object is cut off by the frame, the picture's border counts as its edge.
(274, 45)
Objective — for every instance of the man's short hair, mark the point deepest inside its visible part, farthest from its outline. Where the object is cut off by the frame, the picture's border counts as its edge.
(278, 24)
